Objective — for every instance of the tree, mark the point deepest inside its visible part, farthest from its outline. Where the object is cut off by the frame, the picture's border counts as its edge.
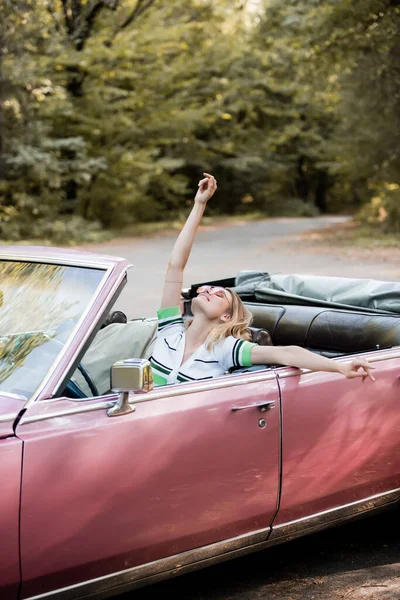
(112, 109)
(347, 77)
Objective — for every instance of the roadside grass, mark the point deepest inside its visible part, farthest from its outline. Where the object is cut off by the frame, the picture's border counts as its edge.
(134, 230)
(156, 228)
(353, 234)
(98, 238)
(349, 234)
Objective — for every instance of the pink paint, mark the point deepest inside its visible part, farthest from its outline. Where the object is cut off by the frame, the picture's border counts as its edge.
(10, 407)
(10, 476)
(340, 439)
(104, 494)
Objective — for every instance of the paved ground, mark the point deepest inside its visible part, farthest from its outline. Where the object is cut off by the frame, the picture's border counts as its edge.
(360, 561)
(275, 245)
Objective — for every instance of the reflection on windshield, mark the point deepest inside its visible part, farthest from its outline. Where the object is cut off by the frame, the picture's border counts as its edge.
(40, 306)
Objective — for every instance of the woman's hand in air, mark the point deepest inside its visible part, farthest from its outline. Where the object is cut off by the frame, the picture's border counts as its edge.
(207, 187)
(357, 368)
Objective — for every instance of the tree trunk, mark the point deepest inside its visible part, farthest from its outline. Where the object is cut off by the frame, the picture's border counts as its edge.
(79, 20)
(320, 191)
(301, 184)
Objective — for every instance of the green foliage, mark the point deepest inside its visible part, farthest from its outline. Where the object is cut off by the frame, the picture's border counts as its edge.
(111, 110)
(383, 211)
(65, 231)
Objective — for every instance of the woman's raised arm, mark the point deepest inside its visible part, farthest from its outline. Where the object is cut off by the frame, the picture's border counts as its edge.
(183, 245)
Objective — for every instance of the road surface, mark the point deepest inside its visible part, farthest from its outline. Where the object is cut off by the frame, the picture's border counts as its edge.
(273, 245)
(359, 561)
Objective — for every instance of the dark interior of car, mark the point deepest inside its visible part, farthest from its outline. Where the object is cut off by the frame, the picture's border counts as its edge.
(332, 332)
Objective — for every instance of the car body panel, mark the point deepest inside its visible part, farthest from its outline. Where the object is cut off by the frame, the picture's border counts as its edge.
(103, 494)
(340, 443)
(10, 475)
(10, 407)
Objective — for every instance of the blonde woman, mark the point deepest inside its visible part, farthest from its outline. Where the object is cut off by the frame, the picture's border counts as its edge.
(217, 338)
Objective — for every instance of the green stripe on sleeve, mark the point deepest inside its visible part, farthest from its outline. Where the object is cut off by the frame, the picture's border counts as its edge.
(237, 352)
(158, 380)
(246, 354)
(165, 313)
(165, 323)
(159, 368)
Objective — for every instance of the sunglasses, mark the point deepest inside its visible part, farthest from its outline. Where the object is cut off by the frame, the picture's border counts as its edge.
(213, 290)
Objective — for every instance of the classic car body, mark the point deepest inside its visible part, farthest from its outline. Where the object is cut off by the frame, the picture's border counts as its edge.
(94, 504)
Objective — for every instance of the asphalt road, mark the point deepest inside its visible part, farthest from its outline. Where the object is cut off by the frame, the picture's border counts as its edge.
(273, 245)
(358, 561)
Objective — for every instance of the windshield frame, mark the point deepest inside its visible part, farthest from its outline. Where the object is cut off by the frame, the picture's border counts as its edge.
(103, 296)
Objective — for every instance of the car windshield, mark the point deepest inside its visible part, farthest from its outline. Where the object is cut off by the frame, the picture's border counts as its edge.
(40, 304)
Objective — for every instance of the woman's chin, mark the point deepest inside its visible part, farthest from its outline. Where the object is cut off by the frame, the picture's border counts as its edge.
(199, 301)
(199, 306)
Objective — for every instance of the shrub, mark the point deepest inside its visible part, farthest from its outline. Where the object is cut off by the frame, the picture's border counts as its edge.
(383, 210)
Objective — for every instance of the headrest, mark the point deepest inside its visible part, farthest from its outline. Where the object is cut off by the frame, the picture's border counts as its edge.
(260, 336)
(117, 316)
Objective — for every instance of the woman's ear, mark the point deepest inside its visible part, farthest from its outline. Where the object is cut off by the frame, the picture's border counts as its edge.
(226, 317)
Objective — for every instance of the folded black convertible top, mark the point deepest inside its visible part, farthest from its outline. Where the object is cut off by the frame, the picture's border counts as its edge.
(369, 295)
(316, 290)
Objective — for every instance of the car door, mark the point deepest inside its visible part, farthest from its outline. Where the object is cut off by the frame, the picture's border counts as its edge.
(193, 465)
(340, 443)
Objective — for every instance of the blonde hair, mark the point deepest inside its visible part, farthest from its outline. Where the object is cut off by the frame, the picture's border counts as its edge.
(237, 326)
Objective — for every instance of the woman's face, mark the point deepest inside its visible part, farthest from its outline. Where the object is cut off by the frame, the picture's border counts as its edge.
(215, 302)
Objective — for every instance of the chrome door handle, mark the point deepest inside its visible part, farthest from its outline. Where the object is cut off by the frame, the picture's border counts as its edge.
(263, 406)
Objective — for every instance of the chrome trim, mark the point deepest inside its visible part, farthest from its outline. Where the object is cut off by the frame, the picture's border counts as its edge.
(13, 396)
(8, 418)
(88, 332)
(161, 569)
(263, 405)
(212, 384)
(387, 356)
(121, 406)
(177, 390)
(67, 412)
(183, 388)
(165, 568)
(320, 520)
(100, 263)
(190, 388)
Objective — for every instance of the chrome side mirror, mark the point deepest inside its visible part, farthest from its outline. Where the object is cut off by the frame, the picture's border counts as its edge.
(130, 375)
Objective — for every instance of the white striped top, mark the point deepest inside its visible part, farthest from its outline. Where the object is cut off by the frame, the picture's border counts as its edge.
(166, 359)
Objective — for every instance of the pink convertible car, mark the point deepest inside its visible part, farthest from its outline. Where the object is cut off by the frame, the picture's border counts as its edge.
(110, 484)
